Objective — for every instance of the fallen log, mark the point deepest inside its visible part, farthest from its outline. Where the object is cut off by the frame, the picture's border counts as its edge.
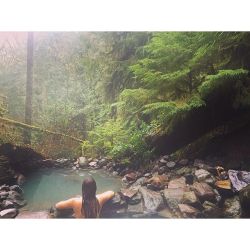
(35, 128)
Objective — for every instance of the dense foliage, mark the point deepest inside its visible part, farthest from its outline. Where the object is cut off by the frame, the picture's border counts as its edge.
(117, 89)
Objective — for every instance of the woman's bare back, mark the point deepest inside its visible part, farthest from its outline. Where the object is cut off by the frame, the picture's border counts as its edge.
(76, 203)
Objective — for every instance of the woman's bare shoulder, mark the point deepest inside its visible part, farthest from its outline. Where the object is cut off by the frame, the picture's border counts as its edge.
(69, 203)
(78, 199)
(102, 198)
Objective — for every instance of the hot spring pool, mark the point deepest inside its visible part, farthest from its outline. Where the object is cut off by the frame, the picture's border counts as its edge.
(46, 187)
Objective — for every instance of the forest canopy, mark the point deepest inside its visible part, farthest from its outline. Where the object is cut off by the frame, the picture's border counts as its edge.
(128, 95)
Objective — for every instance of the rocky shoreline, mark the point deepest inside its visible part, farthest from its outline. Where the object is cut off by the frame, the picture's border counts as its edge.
(11, 199)
(181, 189)
(166, 189)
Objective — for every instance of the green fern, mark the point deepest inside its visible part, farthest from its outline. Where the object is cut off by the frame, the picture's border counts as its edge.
(220, 81)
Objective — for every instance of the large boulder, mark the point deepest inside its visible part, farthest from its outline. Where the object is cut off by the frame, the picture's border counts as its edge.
(130, 177)
(204, 191)
(232, 207)
(174, 194)
(152, 200)
(177, 183)
(116, 202)
(157, 182)
(116, 207)
(128, 193)
(8, 213)
(82, 162)
(173, 197)
(210, 210)
(181, 195)
(189, 211)
(139, 182)
(202, 174)
(244, 196)
(190, 198)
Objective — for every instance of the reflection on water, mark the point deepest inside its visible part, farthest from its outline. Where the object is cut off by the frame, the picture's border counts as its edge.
(46, 187)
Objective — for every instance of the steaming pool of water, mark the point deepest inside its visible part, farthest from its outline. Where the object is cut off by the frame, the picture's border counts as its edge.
(48, 186)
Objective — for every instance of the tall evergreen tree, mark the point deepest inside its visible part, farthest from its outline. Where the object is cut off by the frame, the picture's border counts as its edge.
(29, 86)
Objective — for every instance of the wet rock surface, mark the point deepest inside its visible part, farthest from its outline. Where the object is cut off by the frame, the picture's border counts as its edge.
(175, 194)
(153, 201)
(202, 174)
(244, 196)
(11, 199)
(157, 182)
(190, 198)
(168, 189)
(185, 191)
(210, 210)
(232, 207)
(33, 215)
(8, 213)
(203, 191)
(188, 211)
(177, 183)
(82, 162)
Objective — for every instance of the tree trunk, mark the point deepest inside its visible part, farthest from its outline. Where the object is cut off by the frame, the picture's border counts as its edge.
(190, 82)
(29, 87)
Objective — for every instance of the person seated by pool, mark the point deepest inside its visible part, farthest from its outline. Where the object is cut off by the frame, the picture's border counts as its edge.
(90, 204)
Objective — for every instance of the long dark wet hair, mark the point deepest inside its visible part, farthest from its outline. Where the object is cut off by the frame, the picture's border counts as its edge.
(90, 204)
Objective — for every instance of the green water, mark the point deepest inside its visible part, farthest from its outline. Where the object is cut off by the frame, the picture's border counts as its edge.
(46, 187)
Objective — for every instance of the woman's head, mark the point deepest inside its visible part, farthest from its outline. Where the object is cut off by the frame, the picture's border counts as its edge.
(88, 188)
(90, 204)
